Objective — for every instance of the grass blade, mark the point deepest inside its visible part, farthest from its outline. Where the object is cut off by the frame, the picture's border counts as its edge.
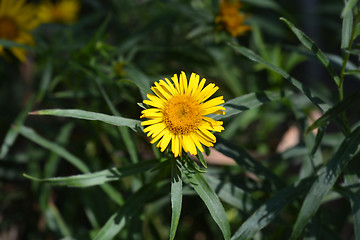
(98, 178)
(81, 114)
(211, 201)
(176, 197)
(268, 211)
(326, 180)
(311, 46)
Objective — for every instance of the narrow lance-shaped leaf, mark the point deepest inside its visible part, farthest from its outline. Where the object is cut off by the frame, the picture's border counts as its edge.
(335, 111)
(81, 114)
(314, 98)
(311, 46)
(33, 136)
(232, 194)
(10, 44)
(211, 201)
(326, 180)
(13, 132)
(301, 87)
(347, 28)
(243, 159)
(349, 5)
(352, 178)
(176, 196)
(268, 211)
(76, 162)
(249, 101)
(117, 221)
(98, 178)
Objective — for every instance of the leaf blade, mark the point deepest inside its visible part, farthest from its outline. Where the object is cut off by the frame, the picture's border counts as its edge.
(82, 114)
(311, 46)
(334, 111)
(212, 202)
(176, 197)
(325, 181)
(98, 178)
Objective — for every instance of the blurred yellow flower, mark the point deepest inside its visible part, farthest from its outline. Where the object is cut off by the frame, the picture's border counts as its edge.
(61, 11)
(17, 19)
(179, 114)
(231, 19)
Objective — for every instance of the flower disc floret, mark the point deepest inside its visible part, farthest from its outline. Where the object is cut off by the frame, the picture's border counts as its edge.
(178, 111)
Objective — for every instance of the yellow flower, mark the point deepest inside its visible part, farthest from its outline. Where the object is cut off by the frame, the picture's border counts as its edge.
(231, 19)
(17, 19)
(179, 114)
(62, 11)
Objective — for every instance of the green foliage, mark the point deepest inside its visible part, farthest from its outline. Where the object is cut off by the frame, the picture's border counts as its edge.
(74, 157)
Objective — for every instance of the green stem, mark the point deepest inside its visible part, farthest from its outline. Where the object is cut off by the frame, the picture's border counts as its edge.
(344, 63)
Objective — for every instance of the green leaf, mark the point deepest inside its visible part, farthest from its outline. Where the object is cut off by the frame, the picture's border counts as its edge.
(98, 178)
(76, 162)
(335, 111)
(117, 221)
(11, 44)
(211, 201)
(124, 132)
(138, 78)
(249, 101)
(232, 194)
(254, 57)
(267, 212)
(264, 4)
(349, 5)
(81, 114)
(311, 46)
(242, 158)
(326, 180)
(176, 196)
(55, 221)
(347, 28)
(314, 98)
(201, 158)
(45, 80)
(352, 180)
(33, 136)
(13, 132)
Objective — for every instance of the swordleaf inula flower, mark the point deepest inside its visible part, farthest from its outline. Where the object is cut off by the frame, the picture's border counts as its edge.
(178, 114)
(17, 19)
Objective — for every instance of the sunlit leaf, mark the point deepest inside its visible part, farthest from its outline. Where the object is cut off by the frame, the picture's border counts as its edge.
(81, 114)
(98, 178)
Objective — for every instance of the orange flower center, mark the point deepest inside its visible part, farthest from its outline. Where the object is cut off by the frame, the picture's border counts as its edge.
(8, 28)
(182, 114)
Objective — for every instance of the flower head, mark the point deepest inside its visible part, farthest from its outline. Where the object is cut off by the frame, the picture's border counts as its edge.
(231, 19)
(17, 19)
(179, 114)
(61, 11)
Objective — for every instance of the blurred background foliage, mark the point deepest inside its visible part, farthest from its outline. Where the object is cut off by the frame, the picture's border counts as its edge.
(107, 59)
